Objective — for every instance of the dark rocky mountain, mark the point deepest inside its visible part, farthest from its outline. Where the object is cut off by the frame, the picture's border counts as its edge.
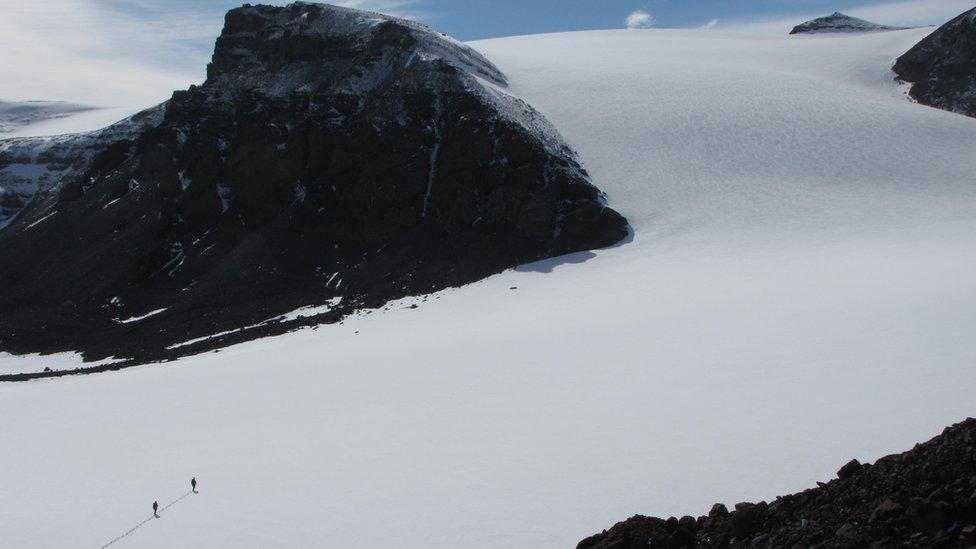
(942, 67)
(331, 156)
(925, 497)
(838, 22)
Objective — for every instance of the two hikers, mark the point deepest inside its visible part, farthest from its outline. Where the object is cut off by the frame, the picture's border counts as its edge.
(193, 488)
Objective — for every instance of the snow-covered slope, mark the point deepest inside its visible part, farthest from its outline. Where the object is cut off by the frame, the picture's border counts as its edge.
(90, 119)
(800, 289)
(14, 115)
(48, 118)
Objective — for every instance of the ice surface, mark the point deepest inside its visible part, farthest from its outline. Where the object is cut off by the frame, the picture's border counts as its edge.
(14, 115)
(800, 290)
(13, 364)
(301, 312)
(74, 122)
(308, 311)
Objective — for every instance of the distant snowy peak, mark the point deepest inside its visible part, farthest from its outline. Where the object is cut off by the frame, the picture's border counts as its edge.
(942, 67)
(838, 22)
(17, 114)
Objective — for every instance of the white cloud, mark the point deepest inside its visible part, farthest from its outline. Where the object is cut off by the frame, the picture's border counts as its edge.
(710, 24)
(639, 19)
(64, 50)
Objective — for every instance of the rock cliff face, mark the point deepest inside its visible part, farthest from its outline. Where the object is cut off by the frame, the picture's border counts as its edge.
(925, 497)
(332, 156)
(942, 67)
(838, 22)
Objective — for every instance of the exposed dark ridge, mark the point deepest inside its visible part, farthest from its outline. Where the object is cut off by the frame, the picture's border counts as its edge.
(925, 497)
(942, 67)
(838, 22)
(332, 155)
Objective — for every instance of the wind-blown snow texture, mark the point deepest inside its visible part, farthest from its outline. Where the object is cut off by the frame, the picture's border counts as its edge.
(801, 289)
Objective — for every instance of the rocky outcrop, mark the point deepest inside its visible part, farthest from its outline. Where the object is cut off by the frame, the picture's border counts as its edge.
(34, 166)
(331, 156)
(838, 22)
(942, 67)
(925, 497)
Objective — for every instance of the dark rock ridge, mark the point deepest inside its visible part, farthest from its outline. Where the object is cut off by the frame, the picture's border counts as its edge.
(331, 156)
(942, 67)
(33, 165)
(838, 22)
(925, 497)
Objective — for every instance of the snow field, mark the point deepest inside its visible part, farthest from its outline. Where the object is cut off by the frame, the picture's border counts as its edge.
(799, 291)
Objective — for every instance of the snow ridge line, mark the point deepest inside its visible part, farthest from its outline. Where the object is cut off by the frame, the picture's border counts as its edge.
(137, 526)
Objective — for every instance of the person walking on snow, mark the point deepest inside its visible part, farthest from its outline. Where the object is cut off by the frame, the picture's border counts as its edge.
(193, 484)
(156, 509)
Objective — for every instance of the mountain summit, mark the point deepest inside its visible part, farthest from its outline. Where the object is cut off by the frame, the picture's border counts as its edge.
(332, 156)
(838, 22)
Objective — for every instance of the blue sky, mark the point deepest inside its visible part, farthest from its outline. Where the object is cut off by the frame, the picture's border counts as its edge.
(474, 19)
(189, 26)
(477, 19)
(124, 51)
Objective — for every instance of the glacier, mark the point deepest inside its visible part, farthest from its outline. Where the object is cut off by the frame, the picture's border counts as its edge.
(799, 288)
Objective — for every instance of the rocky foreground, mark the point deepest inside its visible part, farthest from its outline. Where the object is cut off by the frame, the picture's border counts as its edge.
(925, 497)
